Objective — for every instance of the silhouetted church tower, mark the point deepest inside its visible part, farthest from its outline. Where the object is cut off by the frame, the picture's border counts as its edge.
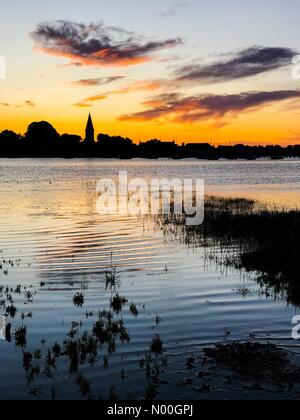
(89, 131)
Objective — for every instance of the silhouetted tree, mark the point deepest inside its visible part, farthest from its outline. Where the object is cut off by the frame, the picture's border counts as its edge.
(42, 139)
(115, 147)
(154, 149)
(70, 145)
(10, 144)
(199, 150)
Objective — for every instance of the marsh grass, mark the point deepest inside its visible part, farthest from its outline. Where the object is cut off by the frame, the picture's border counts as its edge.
(250, 237)
(260, 365)
(249, 358)
(112, 279)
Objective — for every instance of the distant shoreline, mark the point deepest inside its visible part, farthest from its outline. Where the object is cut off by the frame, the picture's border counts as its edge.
(161, 159)
(42, 141)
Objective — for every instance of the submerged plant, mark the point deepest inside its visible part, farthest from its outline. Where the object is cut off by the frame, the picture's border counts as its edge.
(78, 300)
(134, 310)
(111, 279)
(11, 311)
(117, 302)
(20, 337)
(84, 385)
(156, 345)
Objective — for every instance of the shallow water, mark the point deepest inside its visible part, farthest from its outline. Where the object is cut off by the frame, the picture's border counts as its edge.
(51, 238)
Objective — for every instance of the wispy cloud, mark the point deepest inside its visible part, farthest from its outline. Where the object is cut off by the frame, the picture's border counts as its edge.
(205, 107)
(96, 44)
(174, 9)
(249, 62)
(20, 105)
(136, 86)
(30, 103)
(95, 98)
(101, 81)
(82, 105)
(141, 85)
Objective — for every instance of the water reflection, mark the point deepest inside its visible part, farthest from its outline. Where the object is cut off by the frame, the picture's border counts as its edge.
(83, 347)
(70, 294)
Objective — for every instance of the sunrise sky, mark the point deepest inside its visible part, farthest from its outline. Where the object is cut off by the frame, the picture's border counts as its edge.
(189, 70)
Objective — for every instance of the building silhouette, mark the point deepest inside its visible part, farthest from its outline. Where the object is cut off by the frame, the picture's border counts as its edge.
(89, 132)
(42, 140)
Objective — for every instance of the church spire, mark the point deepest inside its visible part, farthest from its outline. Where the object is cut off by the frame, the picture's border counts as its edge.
(89, 131)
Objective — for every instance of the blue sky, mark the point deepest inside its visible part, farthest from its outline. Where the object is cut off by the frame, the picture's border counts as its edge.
(211, 24)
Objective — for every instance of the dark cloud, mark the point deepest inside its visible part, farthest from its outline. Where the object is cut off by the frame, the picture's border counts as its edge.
(249, 62)
(96, 44)
(97, 82)
(4, 104)
(197, 108)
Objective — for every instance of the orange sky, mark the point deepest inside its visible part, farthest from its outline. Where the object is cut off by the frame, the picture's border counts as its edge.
(264, 127)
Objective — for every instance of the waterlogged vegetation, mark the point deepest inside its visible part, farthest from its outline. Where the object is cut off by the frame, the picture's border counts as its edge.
(82, 349)
(249, 237)
(238, 234)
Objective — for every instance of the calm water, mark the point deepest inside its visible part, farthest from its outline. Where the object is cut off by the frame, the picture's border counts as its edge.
(51, 238)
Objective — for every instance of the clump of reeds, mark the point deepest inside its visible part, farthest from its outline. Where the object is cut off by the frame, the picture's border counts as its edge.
(157, 345)
(248, 236)
(78, 300)
(117, 302)
(20, 337)
(134, 310)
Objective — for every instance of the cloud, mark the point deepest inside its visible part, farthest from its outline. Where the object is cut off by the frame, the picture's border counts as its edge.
(174, 10)
(205, 107)
(136, 86)
(249, 62)
(95, 98)
(141, 85)
(101, 81)
(82, 105)
(96, 44)
(27, 103)
(30, 103)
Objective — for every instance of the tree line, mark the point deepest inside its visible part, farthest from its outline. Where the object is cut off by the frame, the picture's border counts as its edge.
(42, 140)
